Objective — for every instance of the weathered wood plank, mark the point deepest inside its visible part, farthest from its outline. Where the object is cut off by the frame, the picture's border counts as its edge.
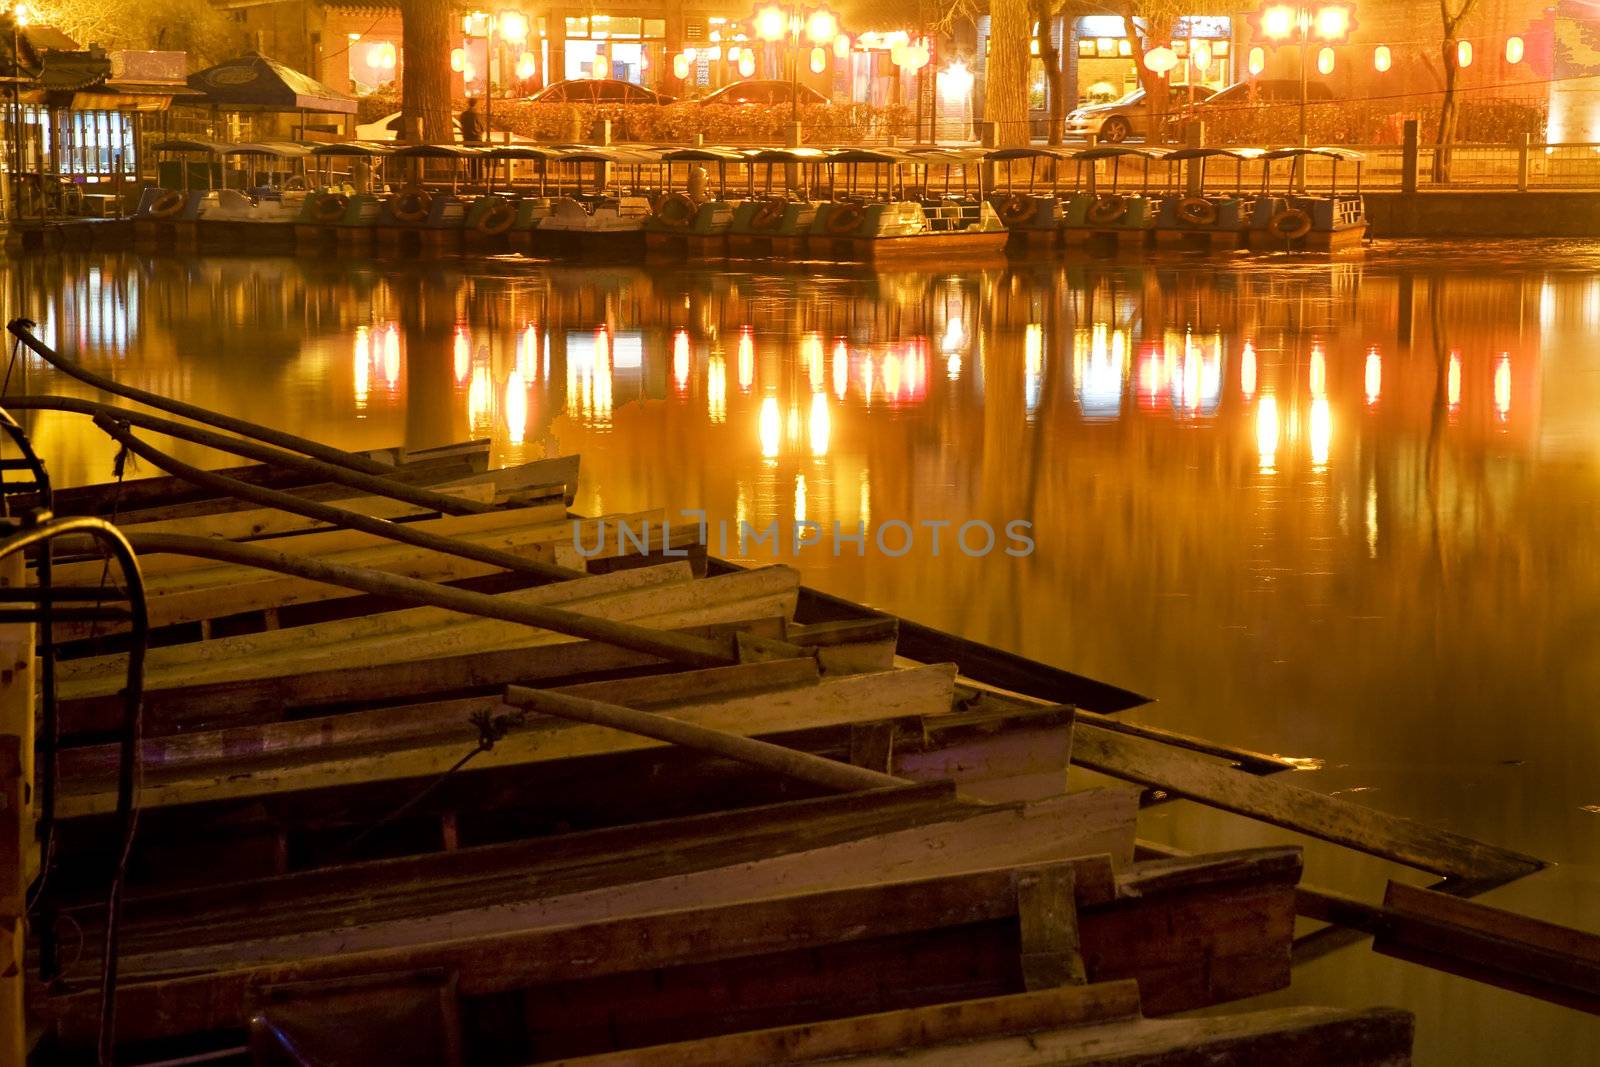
(852, 698)
(1305, 1037)
(1274, 801)
(1542, 959)
(966, 1020)
(1048, 913)
(958, 841)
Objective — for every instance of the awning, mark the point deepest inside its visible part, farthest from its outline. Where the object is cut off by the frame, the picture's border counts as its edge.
(253, 82)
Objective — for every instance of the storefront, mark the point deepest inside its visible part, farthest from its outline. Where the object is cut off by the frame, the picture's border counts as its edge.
(1105, 56)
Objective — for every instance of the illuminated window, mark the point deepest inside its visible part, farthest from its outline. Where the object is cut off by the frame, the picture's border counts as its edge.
(1085, 49)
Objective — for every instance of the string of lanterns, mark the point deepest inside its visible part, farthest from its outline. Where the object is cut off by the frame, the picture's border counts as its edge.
(1382, 57)
(904, 52)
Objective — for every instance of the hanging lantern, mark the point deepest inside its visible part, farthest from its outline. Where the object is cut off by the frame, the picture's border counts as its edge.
(1160, 59)
(1513, 49)
(469, 73)
(1325, 61)
(1258, 61)
(819, 60)
(897, 53)
(1382, 60)
(1463, 53)
(375, 55)
(680, 66)
(391, 55)
(1200, 54)
(602, 67)
(841, 47)
(917, 56)
(458, 60)
(525, 66)
(747, 65)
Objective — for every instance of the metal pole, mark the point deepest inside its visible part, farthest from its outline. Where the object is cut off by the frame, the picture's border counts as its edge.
(794, 66)
(1302, 20)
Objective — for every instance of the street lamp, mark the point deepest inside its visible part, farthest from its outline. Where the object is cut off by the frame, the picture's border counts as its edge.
(1329, 23)
(819, 26)
(508, 26)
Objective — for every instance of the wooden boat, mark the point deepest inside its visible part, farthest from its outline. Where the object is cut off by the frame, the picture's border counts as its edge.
(1295, 221)
(1033, 215)
(774, 218)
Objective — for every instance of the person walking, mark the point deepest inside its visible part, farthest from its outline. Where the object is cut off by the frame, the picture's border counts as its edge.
(472, 135)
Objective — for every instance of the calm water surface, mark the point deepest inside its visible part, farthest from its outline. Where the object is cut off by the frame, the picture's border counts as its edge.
(1344, 511)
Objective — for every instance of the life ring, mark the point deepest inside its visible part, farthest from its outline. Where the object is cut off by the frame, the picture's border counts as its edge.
(167, 204)
(769, 213)
(1290, 224)
(331, 208)
(676, 210)
(1016, 209)
(1108, 208)
(497, 220)
(412, 205)
(844, 218)
(1196, 211)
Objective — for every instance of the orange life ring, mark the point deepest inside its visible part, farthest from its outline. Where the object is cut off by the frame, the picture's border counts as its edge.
(1290, 224)
(1015, 209)
(331, 208)
(497, 220)
(676, 210)
(1196, 211)
(1108, 208)
(844, 218)
(769, 213)
(167, 204)
(412, 205)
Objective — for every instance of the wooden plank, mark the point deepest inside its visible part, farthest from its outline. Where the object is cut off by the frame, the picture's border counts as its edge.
(1542, 959)
(757, 594)
(852, 698)
(1048, 913)
(1305, 1037)
(1302, 810)
(965, 1020)
(1061, 833)
(405, 622)
(848, 940)
(264, 699)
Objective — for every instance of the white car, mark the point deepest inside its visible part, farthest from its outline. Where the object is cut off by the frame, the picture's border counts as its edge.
(1128, 117)
(388, 129)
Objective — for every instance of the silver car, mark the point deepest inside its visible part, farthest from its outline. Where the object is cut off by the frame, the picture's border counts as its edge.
(1128, 117)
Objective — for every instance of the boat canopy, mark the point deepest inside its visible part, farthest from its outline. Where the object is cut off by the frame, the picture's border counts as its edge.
(1342, 154)
(702, 154)
(276, 149)
(185, 144)
(1116, 151)
(997, 155)
(1178, 155)
(786, 155)
(522, 151)
(353, 148)
(438, 151)
(869, 155)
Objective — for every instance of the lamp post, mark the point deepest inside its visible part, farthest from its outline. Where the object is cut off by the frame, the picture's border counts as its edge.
(19, 19)
(1329, 23)
(509, 26)
(773, 23)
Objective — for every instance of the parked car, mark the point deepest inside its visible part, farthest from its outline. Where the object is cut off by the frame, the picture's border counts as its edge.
(598, 91)
(1265, 91)
(763, 92)
(388, 129)
(1128, 117)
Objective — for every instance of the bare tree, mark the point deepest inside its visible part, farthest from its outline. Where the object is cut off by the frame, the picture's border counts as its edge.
(1005, 95)
(193, 26)
(425, 98)
(1148, 23)
(1451, 15)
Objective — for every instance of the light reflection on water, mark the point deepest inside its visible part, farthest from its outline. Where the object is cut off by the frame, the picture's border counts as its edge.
(1347, 511)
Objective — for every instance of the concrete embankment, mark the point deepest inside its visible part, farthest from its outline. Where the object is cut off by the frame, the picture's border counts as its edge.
(1486, 213)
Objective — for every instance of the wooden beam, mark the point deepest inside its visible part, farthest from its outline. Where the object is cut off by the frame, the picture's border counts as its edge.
(965, 1020)
(1542, 959)
(1276, 802)
(1048, 910)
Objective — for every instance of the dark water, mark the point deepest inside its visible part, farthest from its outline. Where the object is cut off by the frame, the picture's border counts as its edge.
(1345, 511)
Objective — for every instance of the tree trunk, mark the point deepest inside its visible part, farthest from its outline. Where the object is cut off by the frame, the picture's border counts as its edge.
(1050, 55)
(425, 101)
(1153, 84)
(1446, 134)
(1005, 97)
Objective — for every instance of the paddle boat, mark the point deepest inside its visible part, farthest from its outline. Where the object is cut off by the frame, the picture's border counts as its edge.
(168, 215)
(1196, 219)
(773, 220)
(1298, 221)
(692, 222)
(601, 222)
(342, 210)
(1111, 214)
(1033, 214)
(423, 216)
(504, 218)
(889, 223)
